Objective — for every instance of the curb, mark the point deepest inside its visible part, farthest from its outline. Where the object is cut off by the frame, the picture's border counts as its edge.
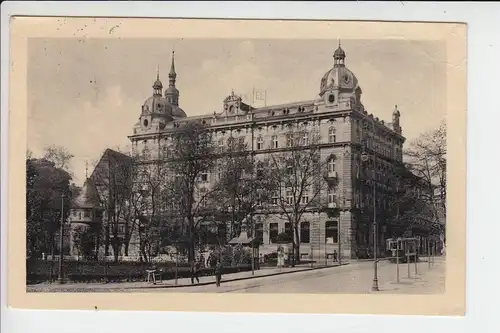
(234, 279)
(208, 283)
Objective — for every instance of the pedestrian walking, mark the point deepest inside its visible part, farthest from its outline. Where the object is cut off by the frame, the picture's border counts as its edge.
(195, 267)
(218, 273)
(334, 255)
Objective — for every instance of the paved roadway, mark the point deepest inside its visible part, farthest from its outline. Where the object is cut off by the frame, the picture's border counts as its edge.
(352, 278)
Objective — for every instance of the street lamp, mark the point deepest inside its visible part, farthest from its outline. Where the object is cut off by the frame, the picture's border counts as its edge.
(60, 278)
(365, 158)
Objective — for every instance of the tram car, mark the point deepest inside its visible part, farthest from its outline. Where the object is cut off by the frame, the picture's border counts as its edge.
(403, 249)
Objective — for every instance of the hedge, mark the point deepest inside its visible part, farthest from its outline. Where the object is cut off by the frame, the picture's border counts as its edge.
(78, 271)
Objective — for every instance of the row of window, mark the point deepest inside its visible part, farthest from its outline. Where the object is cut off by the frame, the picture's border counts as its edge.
(331, 165)
(331, 232)
(86, 213)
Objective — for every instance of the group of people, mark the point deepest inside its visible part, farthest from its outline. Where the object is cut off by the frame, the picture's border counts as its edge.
(215, 264)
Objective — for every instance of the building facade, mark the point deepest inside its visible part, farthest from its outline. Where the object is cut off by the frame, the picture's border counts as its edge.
(345, 130)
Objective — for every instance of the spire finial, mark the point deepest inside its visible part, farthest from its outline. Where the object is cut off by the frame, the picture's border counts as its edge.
(86, 169)
(158, 72)
(339, 43)
(172, 66)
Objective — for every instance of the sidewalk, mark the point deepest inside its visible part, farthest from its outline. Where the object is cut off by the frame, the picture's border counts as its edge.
(182, 282)
(428, 280)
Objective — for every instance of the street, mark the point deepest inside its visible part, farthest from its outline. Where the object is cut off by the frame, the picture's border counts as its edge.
(353, 278)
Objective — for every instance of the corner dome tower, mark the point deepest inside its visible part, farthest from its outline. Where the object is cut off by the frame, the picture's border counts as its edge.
(156, 110)
(339, 84)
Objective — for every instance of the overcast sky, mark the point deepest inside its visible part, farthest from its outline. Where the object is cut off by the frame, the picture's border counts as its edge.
(86, 96)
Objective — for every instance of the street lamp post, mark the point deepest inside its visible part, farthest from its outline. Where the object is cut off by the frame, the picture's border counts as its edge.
(60, 278)
(365, 158)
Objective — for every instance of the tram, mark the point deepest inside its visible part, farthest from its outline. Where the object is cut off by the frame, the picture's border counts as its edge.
(403, 249)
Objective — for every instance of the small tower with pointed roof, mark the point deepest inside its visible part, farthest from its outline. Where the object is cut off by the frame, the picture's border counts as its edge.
(85, 217)
(339, 56)
(172, 93)
(157, 86)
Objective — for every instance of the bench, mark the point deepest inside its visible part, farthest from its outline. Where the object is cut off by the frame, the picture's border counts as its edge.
(152, 274)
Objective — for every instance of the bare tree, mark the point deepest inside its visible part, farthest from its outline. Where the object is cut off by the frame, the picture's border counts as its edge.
(114, 178)
(190, 157)
(150, 202)
(58, 155)
(241, 184)
(295, 176)
(426, 158)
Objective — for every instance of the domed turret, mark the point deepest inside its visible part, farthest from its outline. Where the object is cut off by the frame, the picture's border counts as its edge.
(157, 85)
(339, 86)
(339, 56)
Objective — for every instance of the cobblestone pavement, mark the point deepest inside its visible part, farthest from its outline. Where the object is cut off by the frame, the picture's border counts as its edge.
(353, 278)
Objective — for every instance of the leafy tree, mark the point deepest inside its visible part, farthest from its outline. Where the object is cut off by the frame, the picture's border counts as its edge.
(46, 184)
(59, 156)
(84, 240)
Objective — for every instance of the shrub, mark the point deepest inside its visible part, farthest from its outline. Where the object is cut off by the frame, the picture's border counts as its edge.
(283, 237)
(93, 271)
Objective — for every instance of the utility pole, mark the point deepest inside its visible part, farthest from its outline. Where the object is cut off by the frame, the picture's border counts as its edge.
(365, 158)
(60, 278)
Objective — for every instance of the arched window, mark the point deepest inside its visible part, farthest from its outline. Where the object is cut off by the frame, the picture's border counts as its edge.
(332, 136)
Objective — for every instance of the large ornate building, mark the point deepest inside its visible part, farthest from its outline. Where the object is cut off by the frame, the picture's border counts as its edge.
(345, 130)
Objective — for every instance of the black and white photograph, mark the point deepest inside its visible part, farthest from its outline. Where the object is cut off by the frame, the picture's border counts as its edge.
(263, 165)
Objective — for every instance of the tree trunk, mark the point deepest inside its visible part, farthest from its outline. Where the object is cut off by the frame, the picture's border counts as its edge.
(296, 241)
(144, 256)
(116, 248)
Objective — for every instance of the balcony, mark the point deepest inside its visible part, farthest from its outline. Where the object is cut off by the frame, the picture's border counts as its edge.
(332, 205)
(330, 175)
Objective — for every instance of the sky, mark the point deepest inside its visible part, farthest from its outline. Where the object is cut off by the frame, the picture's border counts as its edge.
(86, 95)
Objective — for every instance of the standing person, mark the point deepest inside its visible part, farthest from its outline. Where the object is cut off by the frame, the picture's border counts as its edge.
(218, 272)
(195, 265)
(334, 255)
